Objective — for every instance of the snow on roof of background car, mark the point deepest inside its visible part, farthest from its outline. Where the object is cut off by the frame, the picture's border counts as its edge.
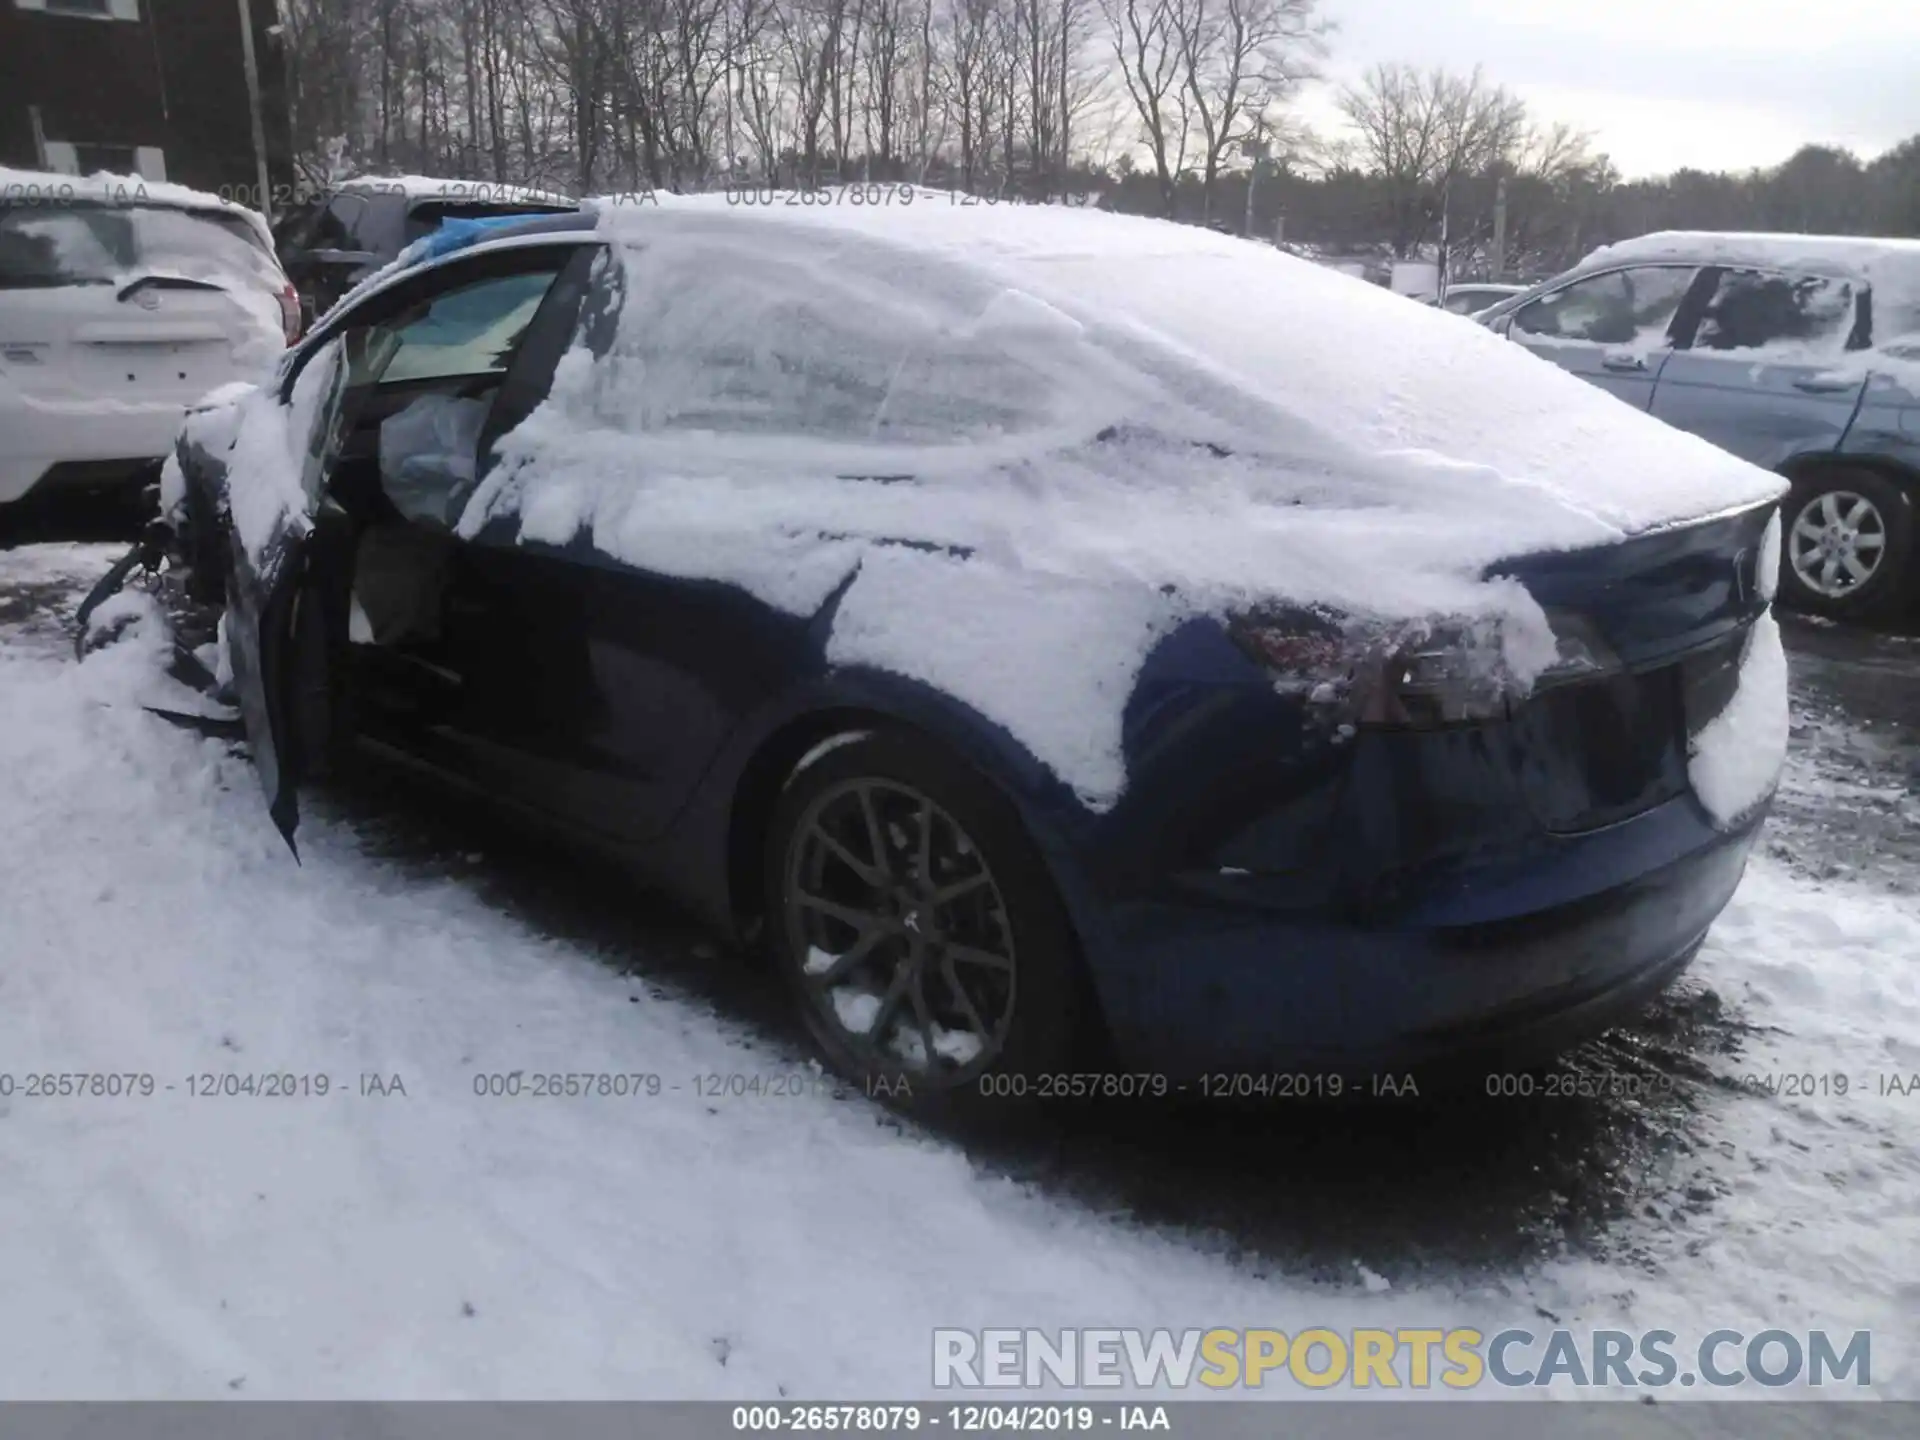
(1858, 253)
(417, 188)
(1891, 266)
(44, 187)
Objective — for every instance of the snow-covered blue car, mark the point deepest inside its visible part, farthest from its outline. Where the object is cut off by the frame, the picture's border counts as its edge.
(1076, 643)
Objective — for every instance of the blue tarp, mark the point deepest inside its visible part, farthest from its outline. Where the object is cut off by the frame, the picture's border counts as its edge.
(456, 234)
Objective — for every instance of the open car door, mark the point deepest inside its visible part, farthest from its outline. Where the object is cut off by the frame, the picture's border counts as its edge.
(277, 636)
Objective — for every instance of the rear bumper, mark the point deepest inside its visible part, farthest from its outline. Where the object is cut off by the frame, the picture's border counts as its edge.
(36, 437)
(1529, 965)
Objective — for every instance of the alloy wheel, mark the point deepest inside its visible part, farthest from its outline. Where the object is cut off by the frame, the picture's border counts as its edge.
(1837, 543)
(906, 947)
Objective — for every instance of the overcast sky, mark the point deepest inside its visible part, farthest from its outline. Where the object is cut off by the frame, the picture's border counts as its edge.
(1715, 84)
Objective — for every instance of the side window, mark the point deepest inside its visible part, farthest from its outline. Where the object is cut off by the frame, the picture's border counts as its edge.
(414, 389)
(1622, 307)
(468, 332)
(1756, 310)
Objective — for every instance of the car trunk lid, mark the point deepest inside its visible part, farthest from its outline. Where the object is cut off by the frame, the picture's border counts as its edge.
(1674, 607)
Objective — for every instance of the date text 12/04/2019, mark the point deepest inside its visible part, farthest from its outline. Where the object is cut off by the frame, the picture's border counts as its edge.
(197, 1085)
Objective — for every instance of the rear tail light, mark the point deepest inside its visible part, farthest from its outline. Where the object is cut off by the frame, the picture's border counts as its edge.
(1415, 675)
(290, 312)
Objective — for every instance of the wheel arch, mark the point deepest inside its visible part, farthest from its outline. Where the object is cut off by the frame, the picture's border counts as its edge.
(1035, 794)
(1814, 465)
(1019, 778)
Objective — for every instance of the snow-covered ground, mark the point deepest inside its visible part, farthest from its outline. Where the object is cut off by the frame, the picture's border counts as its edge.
(441, 1244)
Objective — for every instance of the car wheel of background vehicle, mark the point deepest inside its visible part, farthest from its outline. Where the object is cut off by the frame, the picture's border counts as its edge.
(1846, 540)
(914, 921)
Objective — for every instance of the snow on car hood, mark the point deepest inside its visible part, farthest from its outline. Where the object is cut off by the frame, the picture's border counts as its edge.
(1036, 438)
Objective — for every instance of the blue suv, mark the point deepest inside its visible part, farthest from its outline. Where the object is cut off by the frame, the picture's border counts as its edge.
(1798, 353)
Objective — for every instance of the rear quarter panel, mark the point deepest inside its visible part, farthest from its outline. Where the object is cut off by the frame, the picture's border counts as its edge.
(1888, 422)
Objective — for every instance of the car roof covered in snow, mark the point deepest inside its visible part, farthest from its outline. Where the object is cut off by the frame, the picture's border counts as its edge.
(50, 189)
(417, 189)
(1844, 254)
(1347, 367)
(1890, 266)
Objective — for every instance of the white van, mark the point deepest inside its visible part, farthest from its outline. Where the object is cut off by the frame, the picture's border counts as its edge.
(122, 301)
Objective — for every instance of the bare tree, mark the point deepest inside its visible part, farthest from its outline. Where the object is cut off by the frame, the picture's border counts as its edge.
(1145, 36)
(1239, 59)
(1421, 131)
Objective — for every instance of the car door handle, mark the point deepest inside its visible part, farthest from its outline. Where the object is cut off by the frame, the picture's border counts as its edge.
(1622, 360)
(1823, 384)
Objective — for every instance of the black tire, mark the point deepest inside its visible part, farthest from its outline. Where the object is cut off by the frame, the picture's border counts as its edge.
(882, 784)
(1883, 592)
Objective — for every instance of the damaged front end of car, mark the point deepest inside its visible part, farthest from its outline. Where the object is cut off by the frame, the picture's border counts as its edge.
(225, 602)
(175, 565)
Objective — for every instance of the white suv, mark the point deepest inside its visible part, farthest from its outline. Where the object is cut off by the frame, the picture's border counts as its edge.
(123, 301)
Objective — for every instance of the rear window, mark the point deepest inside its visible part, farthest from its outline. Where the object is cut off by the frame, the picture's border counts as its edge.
(43, 246)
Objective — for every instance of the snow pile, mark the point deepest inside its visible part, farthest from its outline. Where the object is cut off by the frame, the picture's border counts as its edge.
(1735, 761)
(1020, 405)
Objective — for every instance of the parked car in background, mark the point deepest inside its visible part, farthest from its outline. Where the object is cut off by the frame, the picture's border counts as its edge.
(339, 236)
(1026, 621)
(1476, 295)
(1800, 353)
(122, 301)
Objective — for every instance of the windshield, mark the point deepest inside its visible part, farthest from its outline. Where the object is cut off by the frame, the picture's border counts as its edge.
(42, 246)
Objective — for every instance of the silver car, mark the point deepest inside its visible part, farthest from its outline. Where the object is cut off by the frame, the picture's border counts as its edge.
(1800, 353)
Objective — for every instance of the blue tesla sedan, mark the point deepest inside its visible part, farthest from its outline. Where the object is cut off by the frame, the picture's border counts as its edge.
(1073, 646)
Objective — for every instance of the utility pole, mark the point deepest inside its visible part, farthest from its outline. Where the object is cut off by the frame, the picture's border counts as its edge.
(1500, 229)
(253, 109)
(1255, 147)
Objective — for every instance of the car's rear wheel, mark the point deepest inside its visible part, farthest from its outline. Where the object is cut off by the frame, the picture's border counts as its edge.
(915, 924)
(1846, 540)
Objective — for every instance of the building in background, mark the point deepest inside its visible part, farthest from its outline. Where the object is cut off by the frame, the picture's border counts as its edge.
(156, 88)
